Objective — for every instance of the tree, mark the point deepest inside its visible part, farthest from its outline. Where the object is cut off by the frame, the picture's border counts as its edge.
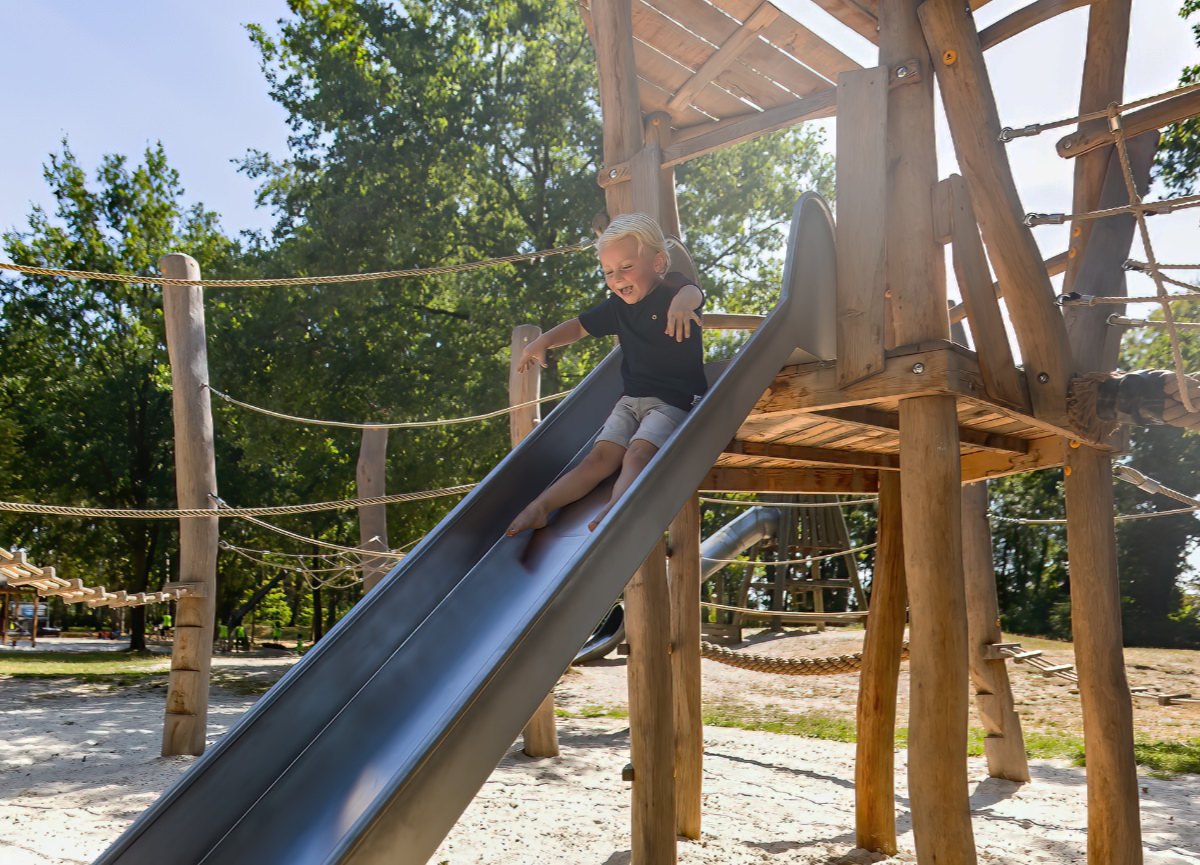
(86, 381)
(1178, 161)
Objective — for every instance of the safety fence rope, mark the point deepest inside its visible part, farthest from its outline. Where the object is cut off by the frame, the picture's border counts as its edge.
(128, 278)
(400, 425)
(1008, 133)
(802, 561)
(838, 504)
(786, 666)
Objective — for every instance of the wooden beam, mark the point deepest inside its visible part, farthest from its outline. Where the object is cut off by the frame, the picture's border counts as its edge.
(819, 456)
(874, 766)
(930, 480)
(795, 480)
(971, 112)
(732, 321)
(861, 16)
(1114, 826)
(620, 105)
(658, 135)
(1045, 452)
(1054, 266)
(1003, 745)
(724, 56)
(1000, 379)
(1103, 84)
(651, 710)
(371, 477)
(861, 190)
(540, 736)
(683, 577)
(1024, 18)
(1146, 119)
(876, 419)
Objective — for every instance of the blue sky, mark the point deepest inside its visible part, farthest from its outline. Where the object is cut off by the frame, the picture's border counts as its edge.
(115, 76)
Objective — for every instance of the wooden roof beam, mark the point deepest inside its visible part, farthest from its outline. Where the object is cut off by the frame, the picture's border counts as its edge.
(723, 57)
(883, 420)
(1024, 18)
(861, 16)
(793, 480)
(804, 454)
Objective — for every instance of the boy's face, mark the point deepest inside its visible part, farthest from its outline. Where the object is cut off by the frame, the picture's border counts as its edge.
(630, 273)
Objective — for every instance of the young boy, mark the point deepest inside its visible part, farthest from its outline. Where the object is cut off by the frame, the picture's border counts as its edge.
(652, 312)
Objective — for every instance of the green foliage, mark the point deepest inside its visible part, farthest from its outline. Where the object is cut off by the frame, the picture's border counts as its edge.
(1178, 160)
(1168, 759)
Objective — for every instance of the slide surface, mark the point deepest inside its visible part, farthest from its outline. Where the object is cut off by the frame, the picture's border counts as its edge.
(369, 749)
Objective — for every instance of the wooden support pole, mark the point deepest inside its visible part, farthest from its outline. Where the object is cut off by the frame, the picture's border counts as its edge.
(196, 486)
(620, 104)
(658, 136)
(1103, 83)
(975, 126)
(540, 735)
(683, 577)
(651, 711)
(1114, 828)
(372, 519)
(1004, 746)
(874, 769)
(862, 177)
(937, 738)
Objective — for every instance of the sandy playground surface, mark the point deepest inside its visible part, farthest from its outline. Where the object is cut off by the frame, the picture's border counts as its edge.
(78, 762)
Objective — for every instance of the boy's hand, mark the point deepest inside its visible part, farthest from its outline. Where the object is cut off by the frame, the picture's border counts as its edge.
(682, 312)
(535, 352)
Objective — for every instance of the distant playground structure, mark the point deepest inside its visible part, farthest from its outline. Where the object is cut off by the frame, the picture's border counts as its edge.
(860, 381)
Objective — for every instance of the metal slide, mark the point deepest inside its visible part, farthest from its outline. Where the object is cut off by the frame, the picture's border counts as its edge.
(369, 749)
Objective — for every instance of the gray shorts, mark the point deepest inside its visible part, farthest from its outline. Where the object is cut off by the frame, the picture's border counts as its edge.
(641, 417)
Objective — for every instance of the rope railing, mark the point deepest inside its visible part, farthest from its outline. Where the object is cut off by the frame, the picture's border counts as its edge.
(1008, 133)
(128, 278)
(1160, 207)
(838, 504)
(786, 666)
(804, 561)
(399, 425)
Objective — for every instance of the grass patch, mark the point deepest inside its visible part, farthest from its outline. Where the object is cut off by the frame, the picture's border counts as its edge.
(810, 726)
(1168, 759)
(120, 668)
(592, 711)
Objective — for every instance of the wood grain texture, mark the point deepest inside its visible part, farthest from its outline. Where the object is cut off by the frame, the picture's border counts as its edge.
(1135, 123)
(620, 106)
(974, 126)
(371, 477)
(196, 486)
(651, 711)
(1114, 826)
(683, 578)
(862, 98)
(930, 479)
(874, 767)
(1027, 16)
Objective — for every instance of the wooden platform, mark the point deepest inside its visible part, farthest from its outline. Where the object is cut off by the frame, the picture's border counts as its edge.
(807, 435)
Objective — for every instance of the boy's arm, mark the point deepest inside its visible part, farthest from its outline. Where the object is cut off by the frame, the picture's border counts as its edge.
(682, 312)
(564, 334)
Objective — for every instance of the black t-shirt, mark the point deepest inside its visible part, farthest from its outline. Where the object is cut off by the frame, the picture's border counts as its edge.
(652, 363)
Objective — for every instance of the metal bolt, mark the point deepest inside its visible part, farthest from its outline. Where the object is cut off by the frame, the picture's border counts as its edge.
(1066, 145)
(613, 173)
(1043, 377)
(901, 71)
(918, 368)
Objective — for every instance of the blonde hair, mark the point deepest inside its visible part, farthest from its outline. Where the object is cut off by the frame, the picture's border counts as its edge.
(639, 226)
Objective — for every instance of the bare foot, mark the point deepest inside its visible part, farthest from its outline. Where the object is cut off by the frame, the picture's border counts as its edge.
(533, 517)
(596, 521)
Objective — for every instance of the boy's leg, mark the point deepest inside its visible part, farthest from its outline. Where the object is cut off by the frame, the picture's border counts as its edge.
(602, 460)
(638, 455)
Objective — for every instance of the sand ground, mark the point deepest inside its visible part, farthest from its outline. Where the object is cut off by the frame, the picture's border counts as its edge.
(78, 762)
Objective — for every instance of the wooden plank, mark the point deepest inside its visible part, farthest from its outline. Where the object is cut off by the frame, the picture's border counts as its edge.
(865, 416)
(1054, 266)
(619, 103)
(683, 577)
(653, 98)
(930, 480)
(732, 321)
(658, 136)
(793, 480)
(1000, 379)
(821, 456)
(371, 478)
(651, 710)
(874, 768)
(862, 98)
(1024, 18)
(974, 123)
(725, 55)
(855, 14)
(1146, 119)
(1114, 827)
(1004, 746)
(669, 74)
(1045, 452)
(810, 49)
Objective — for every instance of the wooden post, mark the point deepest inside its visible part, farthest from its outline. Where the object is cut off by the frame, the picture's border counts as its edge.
(1103, 83)
(651, 712)
(683, 577)
(196, 487)
(874, 770)
(620, 105)
(930, 478)
(541, 738)
(1114, 828)
(372, 519)
(658, 135)
(1004, 746)
(861, 222)
(975, 126)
